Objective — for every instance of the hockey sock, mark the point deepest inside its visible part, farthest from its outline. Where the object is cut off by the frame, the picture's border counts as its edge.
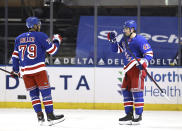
(47, 100)
(138, 102)
(36, 103)
(128, 101)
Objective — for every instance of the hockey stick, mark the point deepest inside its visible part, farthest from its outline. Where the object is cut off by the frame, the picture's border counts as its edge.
(145, 69)
(7, 72)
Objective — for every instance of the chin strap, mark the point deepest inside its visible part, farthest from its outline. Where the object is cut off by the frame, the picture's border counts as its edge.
(130, 33)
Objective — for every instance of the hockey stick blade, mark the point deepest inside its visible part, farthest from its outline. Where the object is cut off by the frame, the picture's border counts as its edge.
(166, 96)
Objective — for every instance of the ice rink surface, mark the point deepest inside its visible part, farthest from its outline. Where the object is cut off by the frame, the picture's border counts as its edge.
(90, 120)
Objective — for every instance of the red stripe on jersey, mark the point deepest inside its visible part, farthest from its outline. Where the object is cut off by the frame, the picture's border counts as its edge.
(15, 53)
(33, 68)
(35, 102)
(47, 102)
(52, 49)
(128, 103)
(148, 53)
(120, 49)
(139, 104)
(129, 64)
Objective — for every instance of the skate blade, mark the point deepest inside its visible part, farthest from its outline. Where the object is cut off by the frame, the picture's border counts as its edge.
(136, 123)
(125, 122)
(54, 122)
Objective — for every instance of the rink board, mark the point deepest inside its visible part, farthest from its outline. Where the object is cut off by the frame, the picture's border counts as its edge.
(98, 106)
(95, 88)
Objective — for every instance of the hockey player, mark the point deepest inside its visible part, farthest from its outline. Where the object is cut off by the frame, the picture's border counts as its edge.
(29, 54)
(133, 83)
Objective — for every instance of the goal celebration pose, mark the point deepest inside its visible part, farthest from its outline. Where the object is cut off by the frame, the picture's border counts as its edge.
(133, 82)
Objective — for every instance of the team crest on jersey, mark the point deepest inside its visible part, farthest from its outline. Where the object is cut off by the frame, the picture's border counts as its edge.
(146, 46)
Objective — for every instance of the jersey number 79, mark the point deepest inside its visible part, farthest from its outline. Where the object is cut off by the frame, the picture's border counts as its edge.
(30, 50)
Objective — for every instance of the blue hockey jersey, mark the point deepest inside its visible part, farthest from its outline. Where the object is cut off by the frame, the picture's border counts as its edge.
(30, 50)
(139, 47)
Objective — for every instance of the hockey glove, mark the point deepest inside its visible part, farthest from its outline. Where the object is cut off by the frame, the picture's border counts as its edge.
(15, 74)
(111, 36)
(144, 64)
(57, 38)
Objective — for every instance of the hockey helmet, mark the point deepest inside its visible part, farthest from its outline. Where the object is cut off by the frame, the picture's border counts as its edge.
(31, 21)
(130, 24)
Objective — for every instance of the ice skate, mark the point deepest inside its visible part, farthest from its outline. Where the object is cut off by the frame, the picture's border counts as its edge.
(54, 119)
(137, 120)
(40, 117)
(127, 120)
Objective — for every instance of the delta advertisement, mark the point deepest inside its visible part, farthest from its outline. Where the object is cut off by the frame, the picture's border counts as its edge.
(96, 85)
(161, 33)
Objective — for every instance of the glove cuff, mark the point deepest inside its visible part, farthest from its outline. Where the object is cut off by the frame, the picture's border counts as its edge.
(58, 38)
(15, 74)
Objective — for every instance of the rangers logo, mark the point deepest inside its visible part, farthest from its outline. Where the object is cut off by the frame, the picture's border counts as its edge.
(146, 46)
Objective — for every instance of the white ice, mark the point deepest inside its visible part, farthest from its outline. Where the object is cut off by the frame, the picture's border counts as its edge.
(90, 120)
